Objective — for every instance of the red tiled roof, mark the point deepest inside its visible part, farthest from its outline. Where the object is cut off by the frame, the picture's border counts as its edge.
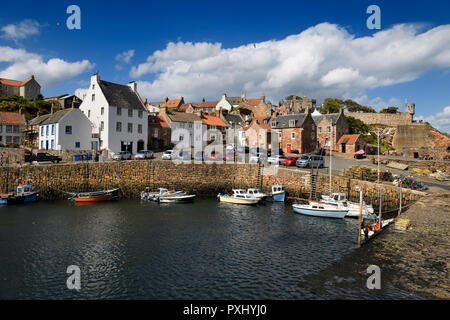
(183, 107)
(205, 104)
(213, 121)
(173, 103)
(11, 118)
(13, 83)
(351, 138)
(155, 121)
(253, 102)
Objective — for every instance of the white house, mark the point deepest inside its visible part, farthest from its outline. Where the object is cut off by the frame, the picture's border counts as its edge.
(118, 115)
(67, 129)
(224, 103)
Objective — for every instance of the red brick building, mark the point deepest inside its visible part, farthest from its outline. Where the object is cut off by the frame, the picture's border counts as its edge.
(159, 133)
(350, 143)
(333, 125)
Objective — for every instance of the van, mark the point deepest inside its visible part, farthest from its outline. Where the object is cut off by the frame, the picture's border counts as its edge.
(310, 161)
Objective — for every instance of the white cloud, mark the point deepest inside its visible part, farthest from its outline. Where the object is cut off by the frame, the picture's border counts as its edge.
(323, 61)
(21, 30)
(440, 121)
(80, 93)
(125, 56)
(379, 103)
(48, 73)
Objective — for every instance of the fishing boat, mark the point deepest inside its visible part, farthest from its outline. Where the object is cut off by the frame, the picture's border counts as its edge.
(278, 193)
(256, 193)
(24, 194)
(318, 209)
(372, 229)
(239, 196)
(96, 196)
(181, 198)
(154, 196)
(353, 207)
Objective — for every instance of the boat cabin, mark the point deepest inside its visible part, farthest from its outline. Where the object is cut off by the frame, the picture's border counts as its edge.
(24, 189)
(339, 197)
(253, 191)
(162, 190)
(277, 189)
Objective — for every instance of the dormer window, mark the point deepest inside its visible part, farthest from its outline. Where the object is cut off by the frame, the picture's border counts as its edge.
(273, 124)
(292, 123)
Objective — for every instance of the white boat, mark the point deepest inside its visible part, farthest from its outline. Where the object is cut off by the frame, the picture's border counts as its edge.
(154, 196)
(320, 210)
(278, 193)
(256, 193)
(372, 231)
(176, 198)
(239, 196)
(340, 199)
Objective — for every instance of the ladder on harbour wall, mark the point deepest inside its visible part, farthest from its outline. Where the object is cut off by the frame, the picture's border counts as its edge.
(313, 186)
(259, 177)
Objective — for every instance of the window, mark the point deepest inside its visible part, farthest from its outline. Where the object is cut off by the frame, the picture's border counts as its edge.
(9, 128)
(291, 123)
(42, 131)
(293, 135)
(273, 124)
(140, 113)
(42, 144)
(68, 129)
(190, 125)
(139, 128)
(181, 138)
(53, 129)
(182, 125)
(93, 97)
(89, 113)
(328, 129)
(93, 86)
(155, 132)
(320, 129)
(130, 112)
(77, 145)
(16, 129)
(118, 126)
(1, 128)
(119, 111)
(9, 139)
(102, 126)
(130, 128)
(102, 110)
(16, 139)
(52, 144)
(46, 130)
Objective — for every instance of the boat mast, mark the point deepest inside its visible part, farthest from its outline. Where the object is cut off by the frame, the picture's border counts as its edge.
(331, 151)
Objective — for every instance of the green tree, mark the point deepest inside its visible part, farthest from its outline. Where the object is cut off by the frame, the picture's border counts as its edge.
(357, 126)
(353, 106)
(331, 105)
(389, 110)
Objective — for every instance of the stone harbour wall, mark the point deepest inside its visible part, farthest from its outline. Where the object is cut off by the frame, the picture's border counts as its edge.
(54, 181)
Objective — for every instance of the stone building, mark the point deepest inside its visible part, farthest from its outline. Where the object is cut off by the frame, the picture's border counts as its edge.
(12, 125)
(29, 89)
(297, 132)
(158, 132)
(66, 101)
(389, 119)
(350, 143)
(332, 125)
(296, 105)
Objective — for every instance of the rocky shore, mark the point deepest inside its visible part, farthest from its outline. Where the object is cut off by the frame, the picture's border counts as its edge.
(413, 263)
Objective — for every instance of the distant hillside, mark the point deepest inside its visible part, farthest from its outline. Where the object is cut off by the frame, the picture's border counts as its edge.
(30, 108)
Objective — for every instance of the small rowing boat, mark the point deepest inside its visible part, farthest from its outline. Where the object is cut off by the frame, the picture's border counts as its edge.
(96, 196)
(177, 198)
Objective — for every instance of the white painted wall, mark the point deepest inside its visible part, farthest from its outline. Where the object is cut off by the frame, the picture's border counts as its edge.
(223, 104)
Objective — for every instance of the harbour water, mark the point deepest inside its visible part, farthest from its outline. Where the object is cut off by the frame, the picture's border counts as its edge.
(141, 250)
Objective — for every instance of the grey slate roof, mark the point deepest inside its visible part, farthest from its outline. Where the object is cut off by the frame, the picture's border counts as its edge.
(119, 95)
(234, 118)
(183, 117)
(55, 117)
(333, 117)
(38, 120)
(282, 121)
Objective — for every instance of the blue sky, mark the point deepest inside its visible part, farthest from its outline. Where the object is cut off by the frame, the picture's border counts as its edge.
(212, 47)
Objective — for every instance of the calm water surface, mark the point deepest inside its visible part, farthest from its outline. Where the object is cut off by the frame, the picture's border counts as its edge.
(134, 250)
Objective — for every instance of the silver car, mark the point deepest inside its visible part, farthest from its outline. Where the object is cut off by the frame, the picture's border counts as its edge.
(122, 155)
(144, 154)
(311, 161)
(167, 155)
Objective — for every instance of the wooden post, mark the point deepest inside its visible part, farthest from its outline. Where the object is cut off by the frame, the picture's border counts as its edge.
(381, 204)
(360, 215)
(400, 206)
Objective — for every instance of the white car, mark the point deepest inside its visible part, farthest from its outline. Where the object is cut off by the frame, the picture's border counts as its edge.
(276, 159)
(122, 155)
(144, 154)
(258, 157)
(167, 155)
(231, 147)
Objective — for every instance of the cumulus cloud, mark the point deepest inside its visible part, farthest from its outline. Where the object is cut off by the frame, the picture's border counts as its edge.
(21, 30)
(125, 57)
(440, 121)
(48, 73)
(322, 61)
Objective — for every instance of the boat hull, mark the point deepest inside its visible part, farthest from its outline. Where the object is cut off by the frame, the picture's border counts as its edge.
(30, 197)
(94, 198)
(325, 213)
(228, 199)
(176, 199)
(279, 197)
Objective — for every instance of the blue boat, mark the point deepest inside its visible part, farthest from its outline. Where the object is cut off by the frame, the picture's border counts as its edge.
(320, 210)
(24, 194)
(278, 193)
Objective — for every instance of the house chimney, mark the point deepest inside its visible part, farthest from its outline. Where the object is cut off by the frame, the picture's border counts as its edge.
(263, 98)
(95, 78)
(32, 76)
(203, 100)
(133, 86)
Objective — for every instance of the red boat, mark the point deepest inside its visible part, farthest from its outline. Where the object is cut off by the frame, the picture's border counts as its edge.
(97, 196)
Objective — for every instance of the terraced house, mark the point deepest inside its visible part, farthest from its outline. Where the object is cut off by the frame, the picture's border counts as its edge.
(12, 125)
(118, 115)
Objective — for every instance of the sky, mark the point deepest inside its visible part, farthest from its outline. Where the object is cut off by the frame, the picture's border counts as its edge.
(202, 49)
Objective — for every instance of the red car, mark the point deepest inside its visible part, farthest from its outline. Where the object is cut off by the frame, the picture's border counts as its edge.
(215, 155)
(289, 161)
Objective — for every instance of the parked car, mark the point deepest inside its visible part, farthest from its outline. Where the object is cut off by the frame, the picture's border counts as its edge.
(242, 149)
(144, 154)
(310, 160)
(258, 157)
(289, 161)
(229, 156)
(42, 157)
(167, 155)
(122, 155)
(231, 147)
(199, 155)
(276, 159)
(214, 155)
